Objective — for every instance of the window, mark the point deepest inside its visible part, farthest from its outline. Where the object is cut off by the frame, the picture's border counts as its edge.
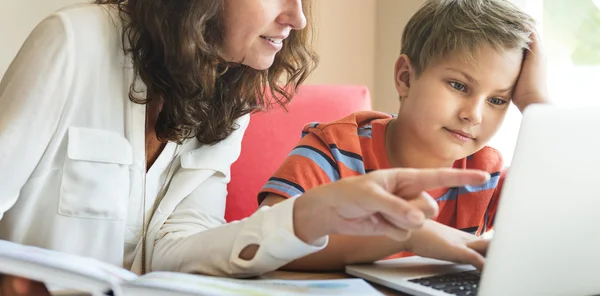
(570, 32)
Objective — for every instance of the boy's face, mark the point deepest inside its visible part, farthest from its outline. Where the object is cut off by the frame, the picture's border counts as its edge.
(455, 106)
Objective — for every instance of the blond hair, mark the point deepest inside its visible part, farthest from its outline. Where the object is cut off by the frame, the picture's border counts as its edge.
(441, 27)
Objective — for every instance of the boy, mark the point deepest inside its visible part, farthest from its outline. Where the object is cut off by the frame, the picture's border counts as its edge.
(462, 63)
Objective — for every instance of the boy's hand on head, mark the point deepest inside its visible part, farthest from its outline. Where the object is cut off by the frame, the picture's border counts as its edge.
(531, 87)
(438, 241)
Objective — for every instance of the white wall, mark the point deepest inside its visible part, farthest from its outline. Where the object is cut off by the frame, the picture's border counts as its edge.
(345, 42)
(359, 42)
(392, 16)
(17, 19)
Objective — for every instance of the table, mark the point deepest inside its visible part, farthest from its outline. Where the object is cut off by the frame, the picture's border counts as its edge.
(289, 275)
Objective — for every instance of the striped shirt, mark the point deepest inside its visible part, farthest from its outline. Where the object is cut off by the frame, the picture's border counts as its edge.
(355, 145)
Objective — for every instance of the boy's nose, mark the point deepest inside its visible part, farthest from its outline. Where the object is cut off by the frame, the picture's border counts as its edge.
(472, 111)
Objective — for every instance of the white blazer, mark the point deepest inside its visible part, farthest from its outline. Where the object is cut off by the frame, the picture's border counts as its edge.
(72, 163)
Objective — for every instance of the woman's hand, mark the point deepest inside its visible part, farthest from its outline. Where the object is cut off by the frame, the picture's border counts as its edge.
(438, 241)
(15, 286)
(385, 202)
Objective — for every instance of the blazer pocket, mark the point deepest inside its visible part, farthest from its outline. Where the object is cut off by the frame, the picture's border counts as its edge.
(95, 180)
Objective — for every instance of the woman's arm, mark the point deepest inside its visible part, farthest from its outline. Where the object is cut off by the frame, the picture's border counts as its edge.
(275, 236)
(195, 237)
(433, 240)
(33, 93)
(342, 249)
(195, 241)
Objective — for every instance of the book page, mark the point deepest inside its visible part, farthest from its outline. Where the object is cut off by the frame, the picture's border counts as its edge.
(87, 267)
(207, 285)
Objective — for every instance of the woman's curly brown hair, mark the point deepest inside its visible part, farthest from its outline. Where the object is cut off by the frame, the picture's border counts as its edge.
(175, 48)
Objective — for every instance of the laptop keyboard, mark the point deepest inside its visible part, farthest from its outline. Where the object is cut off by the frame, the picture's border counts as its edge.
(460, 283)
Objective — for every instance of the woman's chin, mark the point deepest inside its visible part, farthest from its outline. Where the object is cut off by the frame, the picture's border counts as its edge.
(260, 64)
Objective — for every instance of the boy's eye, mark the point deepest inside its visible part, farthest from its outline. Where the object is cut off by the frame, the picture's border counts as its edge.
(497, 101)
(458, 86)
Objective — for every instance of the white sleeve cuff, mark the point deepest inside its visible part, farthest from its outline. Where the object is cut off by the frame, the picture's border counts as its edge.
(280, 239)
(272, 229)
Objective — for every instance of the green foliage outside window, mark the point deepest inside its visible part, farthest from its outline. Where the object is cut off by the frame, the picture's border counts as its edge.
(576, 22)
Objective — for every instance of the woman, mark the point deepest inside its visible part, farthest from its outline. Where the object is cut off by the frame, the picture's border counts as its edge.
(120, 121)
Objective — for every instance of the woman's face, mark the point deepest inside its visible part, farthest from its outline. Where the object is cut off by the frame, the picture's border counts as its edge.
(256, 29)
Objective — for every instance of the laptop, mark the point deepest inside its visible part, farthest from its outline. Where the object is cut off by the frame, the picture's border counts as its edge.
(547, 229)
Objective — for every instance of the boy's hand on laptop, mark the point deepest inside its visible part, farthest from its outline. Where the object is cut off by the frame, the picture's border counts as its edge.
(389, 202)
(438, 241)
(531, 86)
(15, 286)
(480, 245)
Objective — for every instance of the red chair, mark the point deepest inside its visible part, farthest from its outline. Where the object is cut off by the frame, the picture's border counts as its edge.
(272, 135)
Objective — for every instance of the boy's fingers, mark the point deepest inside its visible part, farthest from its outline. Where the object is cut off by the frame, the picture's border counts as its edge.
(480, 246)
(536, 43)
(474, 258)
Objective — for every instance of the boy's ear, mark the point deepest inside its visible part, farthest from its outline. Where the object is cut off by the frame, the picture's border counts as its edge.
(403, 72)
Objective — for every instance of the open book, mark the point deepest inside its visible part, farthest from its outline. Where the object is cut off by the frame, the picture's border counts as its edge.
(92, 276)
